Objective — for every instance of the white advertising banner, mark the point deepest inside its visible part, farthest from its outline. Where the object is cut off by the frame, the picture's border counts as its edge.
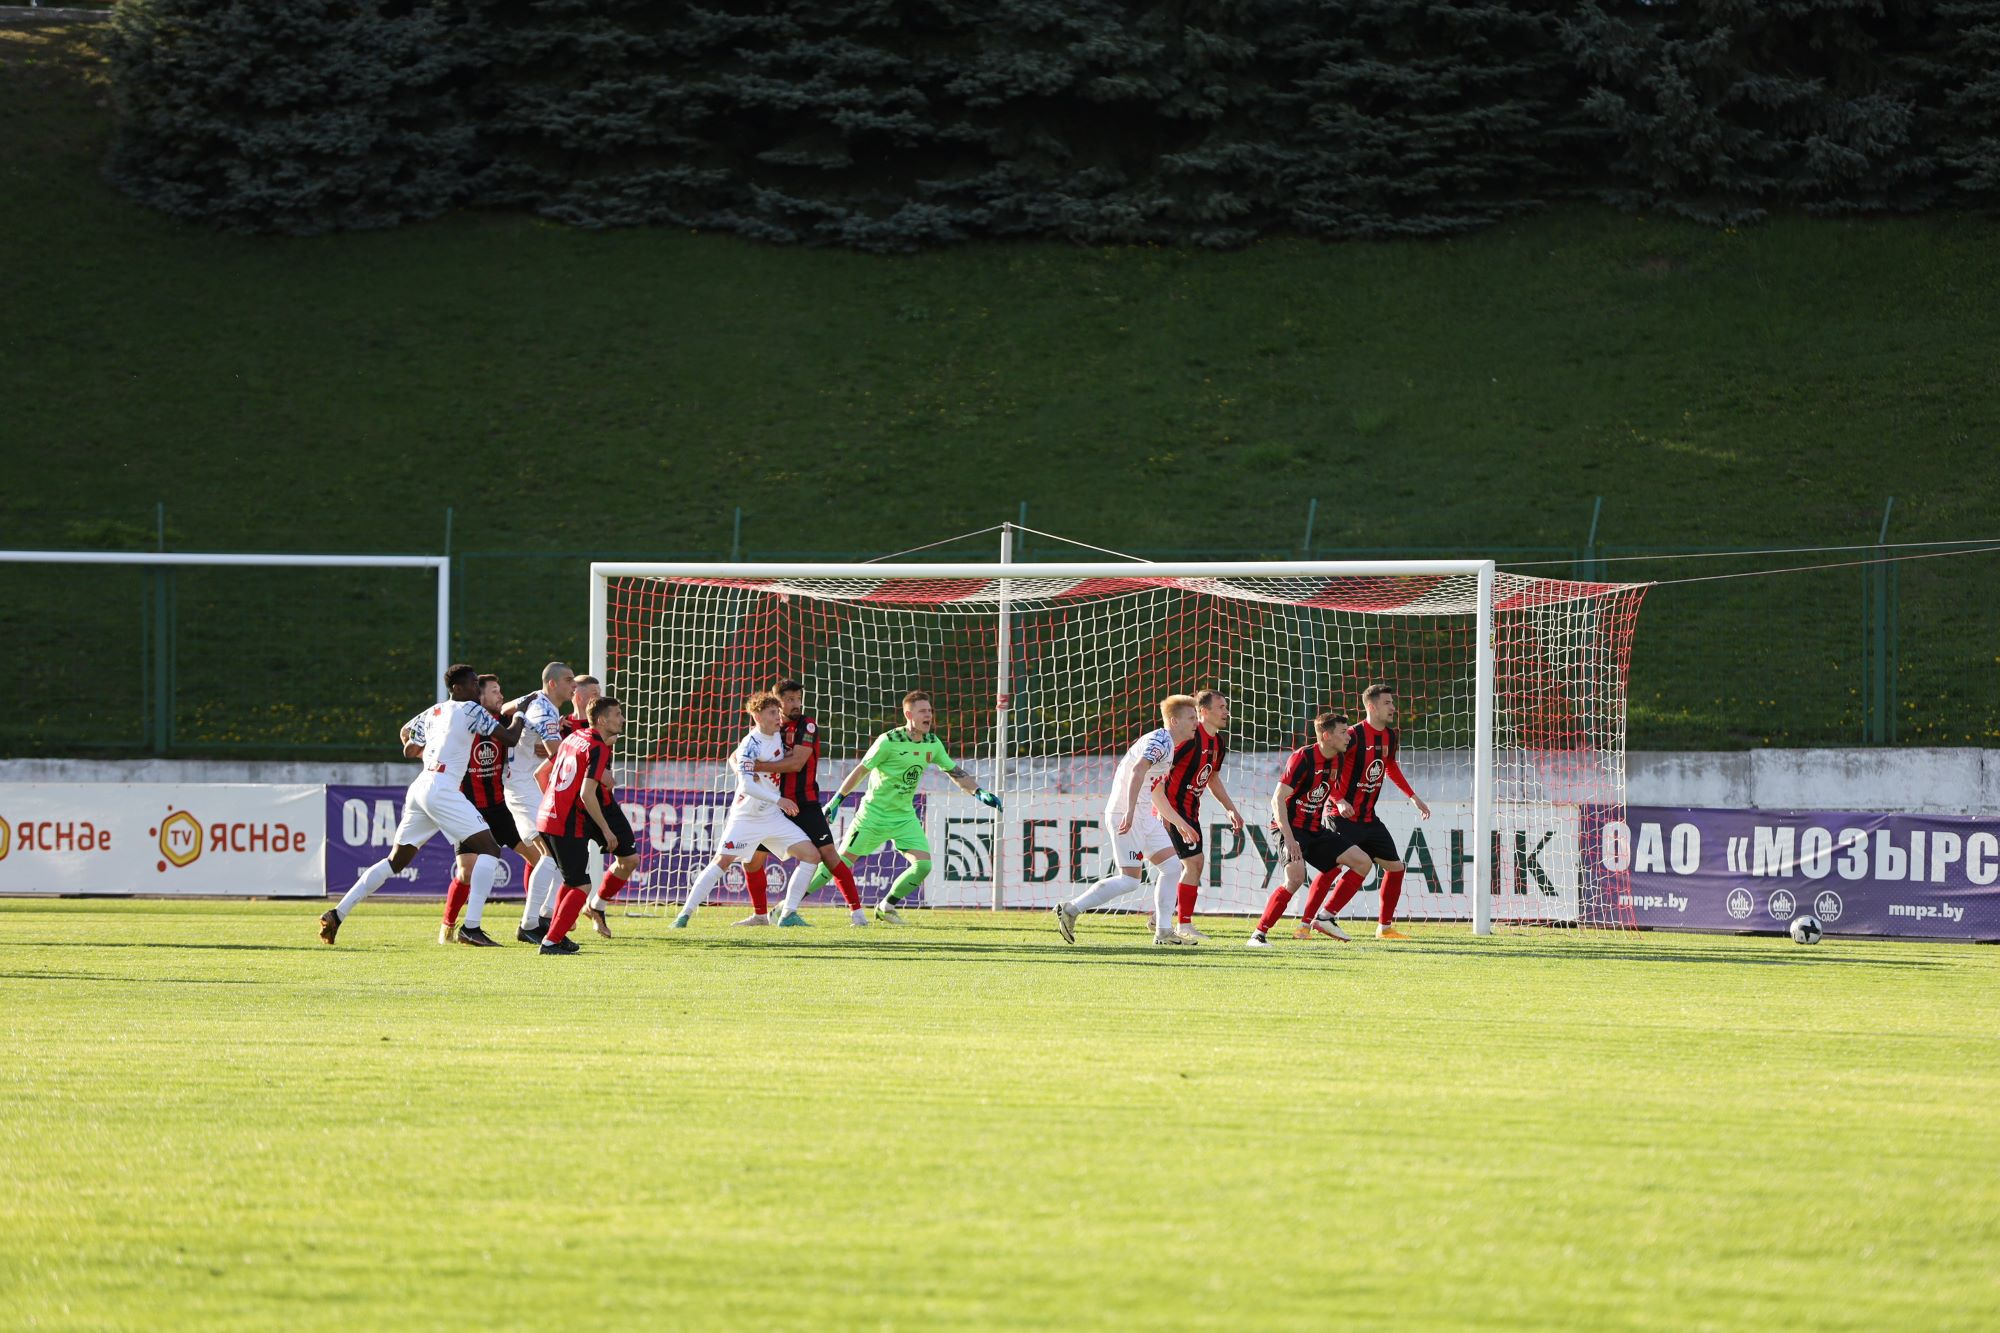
(208, 839)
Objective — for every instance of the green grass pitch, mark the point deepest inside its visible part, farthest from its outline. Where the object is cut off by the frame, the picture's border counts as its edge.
(208, 1118)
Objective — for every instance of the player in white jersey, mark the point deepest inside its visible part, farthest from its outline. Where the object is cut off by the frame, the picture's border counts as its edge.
(1140, 836)
(434, 801)
(541, 712)
(759, 816)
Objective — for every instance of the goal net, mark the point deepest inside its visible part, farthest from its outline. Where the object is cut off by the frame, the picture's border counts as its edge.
(1511, 692)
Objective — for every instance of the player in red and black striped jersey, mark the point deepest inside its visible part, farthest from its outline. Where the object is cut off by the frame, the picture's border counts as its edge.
(1196, 768)
(1299, 809)
(580, 806)
(1371, 760)
(798, 782)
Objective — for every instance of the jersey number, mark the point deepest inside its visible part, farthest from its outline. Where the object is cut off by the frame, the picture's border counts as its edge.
(563, 776)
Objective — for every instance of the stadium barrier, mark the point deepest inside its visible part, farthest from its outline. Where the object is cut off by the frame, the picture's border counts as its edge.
(1699, 869)
(207, 840)
(1930, 876)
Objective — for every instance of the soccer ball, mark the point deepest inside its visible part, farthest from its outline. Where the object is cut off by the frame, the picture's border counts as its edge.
(1806, 929)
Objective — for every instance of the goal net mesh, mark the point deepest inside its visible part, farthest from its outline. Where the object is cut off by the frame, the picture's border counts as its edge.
(1088, 661)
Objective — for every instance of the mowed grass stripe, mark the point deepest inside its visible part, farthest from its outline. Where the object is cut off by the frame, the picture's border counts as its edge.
(966, 1124)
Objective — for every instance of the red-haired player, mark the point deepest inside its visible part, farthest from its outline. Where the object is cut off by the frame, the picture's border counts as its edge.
(1197, 767)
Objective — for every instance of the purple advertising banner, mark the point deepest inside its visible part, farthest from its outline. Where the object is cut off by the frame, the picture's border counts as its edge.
(677, 832)
(1927, 876)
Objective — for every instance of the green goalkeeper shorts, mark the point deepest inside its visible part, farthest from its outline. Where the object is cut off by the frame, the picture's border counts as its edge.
(872, 829)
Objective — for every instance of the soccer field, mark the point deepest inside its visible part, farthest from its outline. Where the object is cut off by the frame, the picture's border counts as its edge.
(210, 1118)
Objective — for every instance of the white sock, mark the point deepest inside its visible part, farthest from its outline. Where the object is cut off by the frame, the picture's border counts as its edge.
(484, 871)
(543, 881)
(1114, 885)
(795, 889)
(1167, 894)
(704, 884)
(371, 879)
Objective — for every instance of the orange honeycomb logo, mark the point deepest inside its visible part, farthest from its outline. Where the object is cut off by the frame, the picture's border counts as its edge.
(6, 839)
(180, 839)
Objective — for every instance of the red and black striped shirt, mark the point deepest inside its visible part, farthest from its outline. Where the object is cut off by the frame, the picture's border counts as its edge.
(1312, 777)
(1371, 759)
(485, 782)
(1196, 760)
(801, 733)
(583, 754)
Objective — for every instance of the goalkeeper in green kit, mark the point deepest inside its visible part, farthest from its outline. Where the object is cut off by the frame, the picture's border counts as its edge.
(888, 812)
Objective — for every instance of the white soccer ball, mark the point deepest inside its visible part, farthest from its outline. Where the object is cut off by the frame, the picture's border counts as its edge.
(1806, 929)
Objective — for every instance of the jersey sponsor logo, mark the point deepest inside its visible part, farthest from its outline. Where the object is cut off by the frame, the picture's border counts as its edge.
(811, 727)
(1374, 775)
(1201, 778)
(913, 774)
(1321, 790)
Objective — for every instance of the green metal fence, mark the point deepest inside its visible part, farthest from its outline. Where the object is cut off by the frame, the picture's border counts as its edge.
(275, 663)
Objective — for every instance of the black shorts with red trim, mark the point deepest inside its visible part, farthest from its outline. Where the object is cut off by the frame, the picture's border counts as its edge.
(1321, 847)
(812, 822)
(1186, 847)
(500, 822)
(572, 854)
(1371, 836)
(621, 828)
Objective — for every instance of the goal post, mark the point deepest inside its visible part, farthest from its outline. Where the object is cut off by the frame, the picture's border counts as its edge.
(1512, 693)
(205, 619)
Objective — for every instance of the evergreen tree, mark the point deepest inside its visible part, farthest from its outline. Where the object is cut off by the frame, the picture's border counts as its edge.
(1969, 137)
(301, 117)
(1722, 109)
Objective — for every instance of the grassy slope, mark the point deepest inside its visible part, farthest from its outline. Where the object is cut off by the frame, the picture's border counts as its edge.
(1770, 387)
(205, 1116)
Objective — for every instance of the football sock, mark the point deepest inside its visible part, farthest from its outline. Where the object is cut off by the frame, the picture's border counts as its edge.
(909, 881)
(569, 905)
(795, 887)
(760, 890)
(844, 875)
(1114, 885)
(612, 885)
(1186, 894)
(704, 884)
(820, 876)
(484, 871)
(543, 881)
(455, 894)
(1344, 890)
(366, 883)
(1321, 886)
(1392, 893)
(1274, 907)
(1166, 893)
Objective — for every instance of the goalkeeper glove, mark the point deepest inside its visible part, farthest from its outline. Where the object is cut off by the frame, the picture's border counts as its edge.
(985, 797)
(833, 807)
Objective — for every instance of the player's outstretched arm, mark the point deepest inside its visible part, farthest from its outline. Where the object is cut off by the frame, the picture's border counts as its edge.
(1394, 771)
(1227, 802)
(791, 763)
(966, 784)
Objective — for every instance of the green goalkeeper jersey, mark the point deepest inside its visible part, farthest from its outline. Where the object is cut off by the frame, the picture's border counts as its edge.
(898, 765)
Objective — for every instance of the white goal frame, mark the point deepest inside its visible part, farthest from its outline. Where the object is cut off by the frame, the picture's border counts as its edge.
(602, 572)
(440, 563)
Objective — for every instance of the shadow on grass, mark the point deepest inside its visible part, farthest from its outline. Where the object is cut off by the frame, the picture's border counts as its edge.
(1228, 951)
(122, 979)
(161, 944)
